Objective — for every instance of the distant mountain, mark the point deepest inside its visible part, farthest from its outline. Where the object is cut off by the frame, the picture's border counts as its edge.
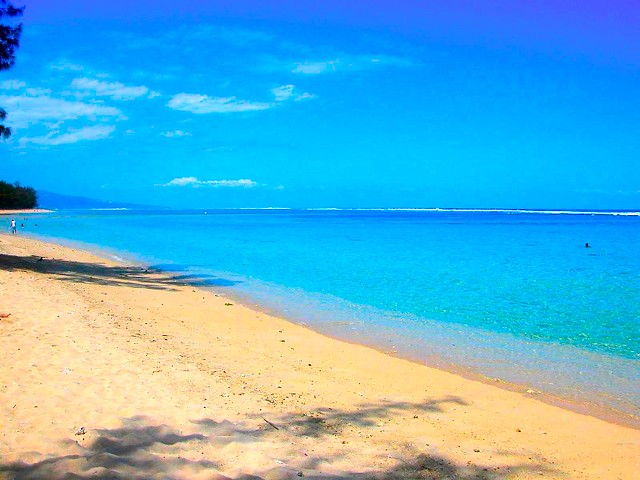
(58, 201)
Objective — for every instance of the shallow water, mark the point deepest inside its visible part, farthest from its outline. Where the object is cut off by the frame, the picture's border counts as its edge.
(508, 294)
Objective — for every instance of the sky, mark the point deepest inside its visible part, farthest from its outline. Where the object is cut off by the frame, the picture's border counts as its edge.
(297, 103)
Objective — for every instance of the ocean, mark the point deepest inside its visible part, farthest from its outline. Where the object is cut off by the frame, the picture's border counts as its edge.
(510, 295)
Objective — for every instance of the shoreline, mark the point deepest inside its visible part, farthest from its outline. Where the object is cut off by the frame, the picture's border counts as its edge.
(580, 405)
(24, 211)
(576, 404)
(103, 334)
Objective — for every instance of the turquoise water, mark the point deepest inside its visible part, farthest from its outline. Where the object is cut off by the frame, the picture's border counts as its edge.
(508, 294)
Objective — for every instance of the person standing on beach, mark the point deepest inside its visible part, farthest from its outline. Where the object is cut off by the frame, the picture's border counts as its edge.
(13, 226)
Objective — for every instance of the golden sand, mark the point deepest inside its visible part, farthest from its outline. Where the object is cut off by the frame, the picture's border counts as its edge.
(110, 371)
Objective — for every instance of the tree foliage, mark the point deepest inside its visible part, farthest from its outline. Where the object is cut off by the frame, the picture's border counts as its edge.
(9, 42)
(16, 196)
(5, 132)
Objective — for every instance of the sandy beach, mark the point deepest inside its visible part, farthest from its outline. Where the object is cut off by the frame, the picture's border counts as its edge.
(113, 371)
(23, 211)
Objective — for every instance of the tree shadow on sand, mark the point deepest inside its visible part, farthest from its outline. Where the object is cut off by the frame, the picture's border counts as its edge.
(141, 449)
(127, 452)
(330, 421)
(101, 274)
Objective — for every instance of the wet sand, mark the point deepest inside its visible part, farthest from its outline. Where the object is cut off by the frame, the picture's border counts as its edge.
(111, 371)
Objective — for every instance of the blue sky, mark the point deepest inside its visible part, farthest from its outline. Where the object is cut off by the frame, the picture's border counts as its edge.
(318, 104)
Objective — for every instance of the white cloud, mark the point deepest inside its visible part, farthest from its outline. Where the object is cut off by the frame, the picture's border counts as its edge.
(195, 103)
(315, 68)
(25, 110)
(29, 107)
(64, 65)
(116, 90)
(287, 92)
(176, 133)
(305, 96)
(194, 182)
(283, 93)
(20, 86)
(36, 92)
(180, 182)
(350, 62)
(12, 85)
(243, 182)
(96, 132)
